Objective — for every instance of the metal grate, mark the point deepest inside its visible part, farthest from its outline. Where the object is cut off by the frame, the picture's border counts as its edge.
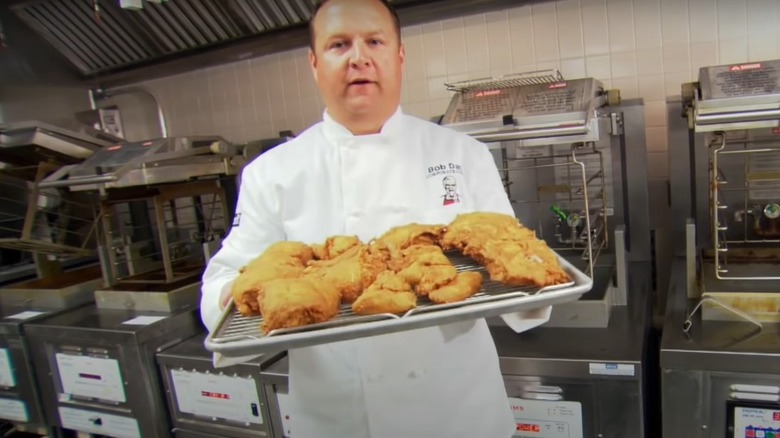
(47, 221)
(507, 81)
(158, 240)
(239, 327)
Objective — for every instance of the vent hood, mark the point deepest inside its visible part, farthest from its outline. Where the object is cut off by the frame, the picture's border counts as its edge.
(110, 45)
(100, 36)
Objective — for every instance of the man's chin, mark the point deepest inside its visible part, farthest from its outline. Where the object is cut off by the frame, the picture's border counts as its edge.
(363, 106)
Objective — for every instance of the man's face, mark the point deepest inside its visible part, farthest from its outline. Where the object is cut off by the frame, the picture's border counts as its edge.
(357, 59)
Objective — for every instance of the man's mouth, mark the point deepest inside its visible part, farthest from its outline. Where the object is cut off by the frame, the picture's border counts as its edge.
(360, 82)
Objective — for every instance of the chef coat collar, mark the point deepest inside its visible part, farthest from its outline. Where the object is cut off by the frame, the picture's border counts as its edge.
(334, 131)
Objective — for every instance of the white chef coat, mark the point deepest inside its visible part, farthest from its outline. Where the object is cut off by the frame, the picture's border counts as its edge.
(433, 382)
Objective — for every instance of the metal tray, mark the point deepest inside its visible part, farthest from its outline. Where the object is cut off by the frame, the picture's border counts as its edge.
(237, 335)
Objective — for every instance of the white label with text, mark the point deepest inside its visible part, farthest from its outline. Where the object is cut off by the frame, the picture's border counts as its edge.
(99, 423)
(210, 395)
(92, 377)
(612, 369)
(14, 410)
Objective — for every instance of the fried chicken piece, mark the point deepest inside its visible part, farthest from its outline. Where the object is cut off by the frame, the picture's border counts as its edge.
(404, 236)
(425, 267)
(351, 271)
(334, 246)
(470, 229)
(280, 260)
(522, 263)
(427, 278)
(465, 285)
(510, 252)
(388, 294)
(430, 254)
(296, 302)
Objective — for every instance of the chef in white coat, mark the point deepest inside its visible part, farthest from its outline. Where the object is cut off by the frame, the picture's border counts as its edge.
(366, 168)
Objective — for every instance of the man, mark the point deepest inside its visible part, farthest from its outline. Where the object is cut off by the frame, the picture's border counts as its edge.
(366, 168)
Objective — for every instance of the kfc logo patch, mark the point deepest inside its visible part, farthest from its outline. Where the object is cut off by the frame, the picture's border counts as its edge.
(450, 195)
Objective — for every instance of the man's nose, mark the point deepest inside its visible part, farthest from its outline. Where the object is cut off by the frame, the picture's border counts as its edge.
(359, 58)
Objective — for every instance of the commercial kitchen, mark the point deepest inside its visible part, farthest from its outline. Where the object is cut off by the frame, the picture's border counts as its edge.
(639, 139)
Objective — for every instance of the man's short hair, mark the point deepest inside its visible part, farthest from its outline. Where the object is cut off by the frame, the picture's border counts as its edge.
(321, 3)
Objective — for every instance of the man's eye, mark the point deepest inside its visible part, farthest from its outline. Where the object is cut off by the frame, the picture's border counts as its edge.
(337, 45)
(375, 42)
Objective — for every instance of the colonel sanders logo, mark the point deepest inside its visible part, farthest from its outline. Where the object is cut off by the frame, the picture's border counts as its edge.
(450, 195)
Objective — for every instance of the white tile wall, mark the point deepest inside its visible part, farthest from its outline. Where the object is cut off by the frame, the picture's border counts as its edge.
(570, 37)
(647, 24)
(646, 48)
(545, 32)
(498, 40)
(620, 17)
(595, 31)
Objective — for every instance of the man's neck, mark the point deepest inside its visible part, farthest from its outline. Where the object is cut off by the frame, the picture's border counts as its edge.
(362, 124)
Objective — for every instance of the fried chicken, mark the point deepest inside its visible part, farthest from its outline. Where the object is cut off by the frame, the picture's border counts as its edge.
(465, 285)
(351, 271)
(521, 262)
(471, 229)
(334, 246)
(425, 267)
(510, 252)
(296, 302)
(280, 260)
(431, 254)
(388, 294)
(402, 237)
(293, 285)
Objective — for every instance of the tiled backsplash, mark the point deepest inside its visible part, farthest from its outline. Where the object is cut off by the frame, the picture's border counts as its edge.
(645, 48)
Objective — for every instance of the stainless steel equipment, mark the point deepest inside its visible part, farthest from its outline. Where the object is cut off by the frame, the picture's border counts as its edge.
(575, 170)
(96, 368)
(163, 205)
(57, 228)
(20, 396)
(720, 344)
(275, 377)
(205, 401)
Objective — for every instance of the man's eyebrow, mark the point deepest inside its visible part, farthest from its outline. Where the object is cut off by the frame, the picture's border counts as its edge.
(344, 35)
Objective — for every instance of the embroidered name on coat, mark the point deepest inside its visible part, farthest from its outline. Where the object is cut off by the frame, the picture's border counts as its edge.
(444, 169)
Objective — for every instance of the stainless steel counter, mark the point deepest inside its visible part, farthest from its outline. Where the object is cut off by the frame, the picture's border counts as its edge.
(714, 345)
(622, 341)
(719, 377)
(606, 376)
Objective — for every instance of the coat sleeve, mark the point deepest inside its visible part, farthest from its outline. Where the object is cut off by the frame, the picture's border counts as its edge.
(256, 225)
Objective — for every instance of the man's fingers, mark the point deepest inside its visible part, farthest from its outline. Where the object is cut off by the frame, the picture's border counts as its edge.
(224, 301)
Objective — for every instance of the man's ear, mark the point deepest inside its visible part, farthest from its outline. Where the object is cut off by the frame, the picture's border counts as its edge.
(313, 63)
(401, 54)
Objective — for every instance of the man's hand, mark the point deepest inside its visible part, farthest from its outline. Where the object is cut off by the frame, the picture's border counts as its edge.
(224, 299)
